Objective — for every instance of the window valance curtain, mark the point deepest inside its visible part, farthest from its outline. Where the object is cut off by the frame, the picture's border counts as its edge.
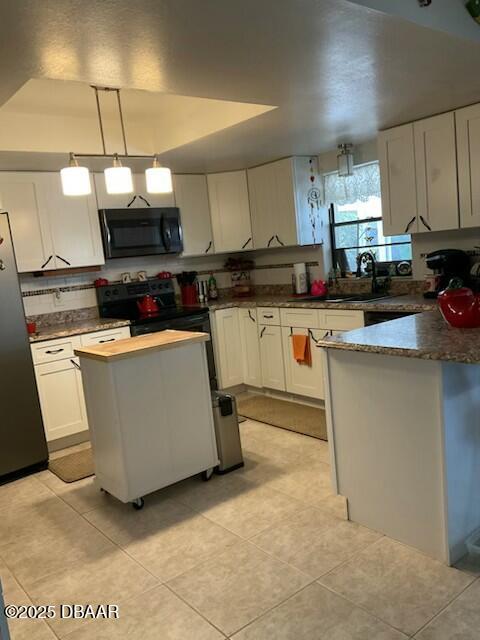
(364, 183)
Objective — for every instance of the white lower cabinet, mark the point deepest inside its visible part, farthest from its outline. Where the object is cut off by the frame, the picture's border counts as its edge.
(61, 398)
(252, 367)
(59, 381)
(271, 356)
(228, 348)
(302, 379)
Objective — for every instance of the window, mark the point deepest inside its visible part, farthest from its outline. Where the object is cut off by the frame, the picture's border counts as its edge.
(357, 219)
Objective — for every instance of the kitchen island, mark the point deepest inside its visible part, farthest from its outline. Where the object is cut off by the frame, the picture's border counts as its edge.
(403, 418)
(150, 412)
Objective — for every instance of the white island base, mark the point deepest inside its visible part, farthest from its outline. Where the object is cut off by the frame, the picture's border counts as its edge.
(405, 446)
(150, 412)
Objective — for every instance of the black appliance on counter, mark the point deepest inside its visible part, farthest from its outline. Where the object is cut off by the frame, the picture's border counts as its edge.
(447, 264)
(120, 301)
(141, 231)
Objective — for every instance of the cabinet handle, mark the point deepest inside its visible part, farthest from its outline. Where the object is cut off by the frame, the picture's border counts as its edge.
(77, 366)
(141, 198)
(63, 260)
(279, 241)
(209, 246)
(407, 228)
(312, 336)
(270, 241)
(107, 340)
(46, 262)
(425, 223)
(54, 351)
(325, 335)
(250, 316)
(245, 244)
(262, 332)
(268, 317)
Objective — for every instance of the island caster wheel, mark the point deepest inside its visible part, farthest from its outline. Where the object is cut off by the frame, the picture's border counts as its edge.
(138, 504)
(206, 475)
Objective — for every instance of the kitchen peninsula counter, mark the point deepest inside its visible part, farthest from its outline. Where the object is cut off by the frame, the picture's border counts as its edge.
(426, 336)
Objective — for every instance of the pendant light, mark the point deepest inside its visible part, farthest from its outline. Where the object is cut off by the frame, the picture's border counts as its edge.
(75, 179)
(118, 179)
(158, 178)
(345, 160)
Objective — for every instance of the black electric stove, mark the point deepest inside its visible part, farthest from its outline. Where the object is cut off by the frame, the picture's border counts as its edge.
(120, 301)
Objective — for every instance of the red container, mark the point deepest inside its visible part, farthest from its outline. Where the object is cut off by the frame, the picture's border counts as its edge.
(460, 307)
(31, 328)
(189, 294)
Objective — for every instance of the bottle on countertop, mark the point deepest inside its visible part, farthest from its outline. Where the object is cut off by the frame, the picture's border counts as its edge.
(212, 288)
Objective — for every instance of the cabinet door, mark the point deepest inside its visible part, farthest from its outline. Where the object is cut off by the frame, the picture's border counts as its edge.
(397, 173)
(252, 369)
(271, 356)
(121, 201)
(468, 148)
(229, 349)
(61, 398)
(230, 211)
(302, 379)
(191, 197)
(24, 196)
(285, 212)
(436, 169)
(261, 189)
(312, 214)
(75, 228)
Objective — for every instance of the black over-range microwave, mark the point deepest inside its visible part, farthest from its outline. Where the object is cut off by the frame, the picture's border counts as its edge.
(141, 232)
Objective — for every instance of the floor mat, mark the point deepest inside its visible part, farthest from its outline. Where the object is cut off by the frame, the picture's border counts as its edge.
(285, 414)
(73, 466)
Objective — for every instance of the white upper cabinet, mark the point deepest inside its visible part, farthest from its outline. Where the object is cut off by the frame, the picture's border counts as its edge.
(50, 230)
(285, 207)
(230, 211)
(138, 199)
(396, 155)
(436, 170)
(75, 227)
(468, 148)
(24, 197)
(191, 197)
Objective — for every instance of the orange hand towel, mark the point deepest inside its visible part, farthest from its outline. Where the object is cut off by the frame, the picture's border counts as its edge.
(301, 349)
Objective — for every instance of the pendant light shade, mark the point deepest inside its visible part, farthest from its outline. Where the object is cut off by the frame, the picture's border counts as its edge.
(75, 179)
(158, 178)
(345, 160)
(118, 179)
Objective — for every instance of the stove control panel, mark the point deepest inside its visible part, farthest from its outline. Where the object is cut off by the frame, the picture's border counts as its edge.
(123, 292)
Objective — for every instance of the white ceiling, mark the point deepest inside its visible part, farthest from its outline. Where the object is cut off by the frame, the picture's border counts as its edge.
(337, 71)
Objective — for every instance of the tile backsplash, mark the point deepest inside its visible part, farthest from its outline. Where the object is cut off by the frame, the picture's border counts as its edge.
(52, 295)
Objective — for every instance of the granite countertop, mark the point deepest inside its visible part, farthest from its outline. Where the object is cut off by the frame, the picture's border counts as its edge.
(77, 328)
(139, 345)
(426, 336)
(407, 303)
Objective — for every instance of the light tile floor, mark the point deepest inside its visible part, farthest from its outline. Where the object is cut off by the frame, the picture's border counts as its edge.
(262, 553)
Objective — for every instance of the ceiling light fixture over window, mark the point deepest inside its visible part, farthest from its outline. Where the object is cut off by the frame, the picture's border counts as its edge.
(118, 179)
(345, 160)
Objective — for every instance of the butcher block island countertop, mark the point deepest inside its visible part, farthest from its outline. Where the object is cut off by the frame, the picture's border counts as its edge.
(131, 347)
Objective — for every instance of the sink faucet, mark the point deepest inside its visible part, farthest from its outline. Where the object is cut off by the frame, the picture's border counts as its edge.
(367, 256)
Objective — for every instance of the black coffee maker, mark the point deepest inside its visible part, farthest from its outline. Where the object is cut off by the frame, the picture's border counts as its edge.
(447, 264)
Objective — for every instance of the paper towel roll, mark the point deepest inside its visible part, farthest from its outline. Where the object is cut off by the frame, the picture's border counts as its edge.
(300, 272)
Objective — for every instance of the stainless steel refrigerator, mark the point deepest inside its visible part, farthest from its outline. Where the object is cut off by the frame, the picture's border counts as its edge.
(23, 447)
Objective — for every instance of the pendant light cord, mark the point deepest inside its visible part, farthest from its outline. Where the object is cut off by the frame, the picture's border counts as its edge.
(100, 122)
(121, 121)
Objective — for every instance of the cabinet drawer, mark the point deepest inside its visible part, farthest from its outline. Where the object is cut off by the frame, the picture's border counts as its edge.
(268, 315)
(101, 337)
(52, 350)
(305, 318)
(342, 320)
